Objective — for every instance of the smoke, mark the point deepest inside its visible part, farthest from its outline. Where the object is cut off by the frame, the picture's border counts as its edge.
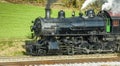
(108, 5)
(49, 2)
(87, 2)
(112, 5)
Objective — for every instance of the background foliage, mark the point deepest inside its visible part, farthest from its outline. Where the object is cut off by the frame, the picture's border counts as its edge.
(76, 4)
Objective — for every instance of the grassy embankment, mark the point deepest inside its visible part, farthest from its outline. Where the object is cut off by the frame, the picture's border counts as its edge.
(15, 20)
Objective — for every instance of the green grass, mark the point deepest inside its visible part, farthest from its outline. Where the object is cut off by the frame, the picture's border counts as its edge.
(15, 19)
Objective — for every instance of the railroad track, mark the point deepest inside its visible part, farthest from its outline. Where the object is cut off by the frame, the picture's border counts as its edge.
(26, 61)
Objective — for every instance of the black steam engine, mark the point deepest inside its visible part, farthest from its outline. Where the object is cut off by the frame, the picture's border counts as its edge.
(74, 35)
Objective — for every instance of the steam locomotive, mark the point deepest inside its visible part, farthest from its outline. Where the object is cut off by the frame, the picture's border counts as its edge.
(93, 33)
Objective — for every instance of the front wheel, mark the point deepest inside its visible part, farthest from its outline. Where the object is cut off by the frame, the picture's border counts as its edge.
(41, 52)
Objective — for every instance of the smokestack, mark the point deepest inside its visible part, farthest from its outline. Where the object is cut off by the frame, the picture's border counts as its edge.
(48, 9)
(47, 13)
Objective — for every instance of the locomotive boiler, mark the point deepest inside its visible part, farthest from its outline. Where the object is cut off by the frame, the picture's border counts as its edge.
(92, 33)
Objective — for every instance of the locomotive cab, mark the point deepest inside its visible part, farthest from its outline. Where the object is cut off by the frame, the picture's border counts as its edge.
(116, 25)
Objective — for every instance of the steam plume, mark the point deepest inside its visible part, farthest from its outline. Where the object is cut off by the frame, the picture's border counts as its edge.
(112, 5)
(87, 2)
(108, 5)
